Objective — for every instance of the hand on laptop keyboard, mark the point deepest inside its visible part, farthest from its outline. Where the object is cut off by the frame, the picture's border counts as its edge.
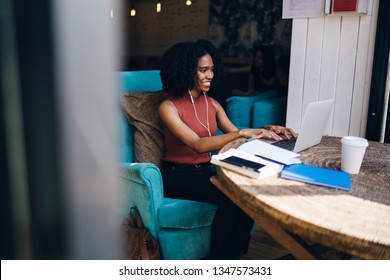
(287, 144)
(281, 131)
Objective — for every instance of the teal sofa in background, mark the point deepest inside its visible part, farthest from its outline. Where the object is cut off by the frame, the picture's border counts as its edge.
(269, 111)
(182, 227)
(265, 108)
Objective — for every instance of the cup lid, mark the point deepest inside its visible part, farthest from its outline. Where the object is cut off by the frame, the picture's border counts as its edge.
(355, 141)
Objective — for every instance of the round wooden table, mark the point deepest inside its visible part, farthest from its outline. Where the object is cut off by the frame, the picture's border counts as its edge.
(355, 222)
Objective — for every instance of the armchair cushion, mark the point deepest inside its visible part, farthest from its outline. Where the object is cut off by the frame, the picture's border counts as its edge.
(185, 214)
(239, 108)
(141, 109)
(270, 111)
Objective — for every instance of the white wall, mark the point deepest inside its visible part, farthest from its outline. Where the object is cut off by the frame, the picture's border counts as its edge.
(331, 57)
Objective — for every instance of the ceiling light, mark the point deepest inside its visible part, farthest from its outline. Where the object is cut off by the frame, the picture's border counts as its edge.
(133, 12)
(158, 8)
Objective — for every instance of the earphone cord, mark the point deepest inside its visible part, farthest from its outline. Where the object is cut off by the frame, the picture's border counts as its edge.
(207, 113)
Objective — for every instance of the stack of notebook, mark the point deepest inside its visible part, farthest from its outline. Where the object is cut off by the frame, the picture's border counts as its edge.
(258, 159)
(247, 164)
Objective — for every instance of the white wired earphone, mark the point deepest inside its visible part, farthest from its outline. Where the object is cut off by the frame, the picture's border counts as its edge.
(207, 126)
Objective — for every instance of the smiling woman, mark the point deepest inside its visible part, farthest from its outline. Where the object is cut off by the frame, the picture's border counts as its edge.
(190, 118)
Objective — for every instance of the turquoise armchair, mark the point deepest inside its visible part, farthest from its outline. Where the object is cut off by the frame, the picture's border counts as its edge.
(182, 227)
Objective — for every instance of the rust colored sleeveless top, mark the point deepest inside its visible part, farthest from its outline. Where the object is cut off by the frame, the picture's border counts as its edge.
(175, 150)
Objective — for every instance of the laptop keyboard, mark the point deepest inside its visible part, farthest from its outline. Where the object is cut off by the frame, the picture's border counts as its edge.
(287, 144)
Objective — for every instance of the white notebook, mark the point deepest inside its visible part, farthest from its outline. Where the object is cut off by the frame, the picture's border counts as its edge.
(265, 150)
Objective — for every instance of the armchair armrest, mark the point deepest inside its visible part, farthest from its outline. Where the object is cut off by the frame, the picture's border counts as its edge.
(141, 186)
(139, 172)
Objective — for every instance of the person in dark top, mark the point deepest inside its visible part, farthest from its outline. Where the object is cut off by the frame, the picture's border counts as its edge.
(262, 72)
(263, 69)
(283, 69)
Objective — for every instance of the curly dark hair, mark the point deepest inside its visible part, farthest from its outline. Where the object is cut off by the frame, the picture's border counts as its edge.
(179, 65)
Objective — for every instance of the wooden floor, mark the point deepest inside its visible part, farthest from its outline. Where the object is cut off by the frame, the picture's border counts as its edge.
(264, 247)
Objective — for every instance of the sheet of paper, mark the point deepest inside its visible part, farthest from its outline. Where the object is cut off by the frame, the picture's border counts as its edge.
(266, 150)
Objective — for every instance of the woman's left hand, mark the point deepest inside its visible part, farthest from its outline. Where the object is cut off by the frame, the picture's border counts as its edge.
(281, 130)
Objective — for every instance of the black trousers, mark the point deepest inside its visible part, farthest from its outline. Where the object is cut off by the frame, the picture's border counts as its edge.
(231, 226)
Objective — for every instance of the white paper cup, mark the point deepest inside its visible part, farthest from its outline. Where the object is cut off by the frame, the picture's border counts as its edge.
(352, 153)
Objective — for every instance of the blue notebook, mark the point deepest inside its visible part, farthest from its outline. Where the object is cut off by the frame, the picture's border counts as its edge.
(317, 176)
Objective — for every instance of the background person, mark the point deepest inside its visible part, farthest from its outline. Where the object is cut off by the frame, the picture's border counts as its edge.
(262, 72)
(283, 69)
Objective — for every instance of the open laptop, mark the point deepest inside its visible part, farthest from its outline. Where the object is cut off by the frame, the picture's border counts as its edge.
(312, 127)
